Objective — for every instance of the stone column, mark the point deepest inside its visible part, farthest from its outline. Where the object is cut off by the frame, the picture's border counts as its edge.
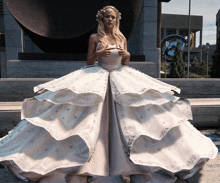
(135, 41)
(200, 42)
(194, 39)
(3, 64)
(12, 36)
(217, 30)
(159, 24)
(159, 38)
(165, 32)
(150, 33)
(22, 40)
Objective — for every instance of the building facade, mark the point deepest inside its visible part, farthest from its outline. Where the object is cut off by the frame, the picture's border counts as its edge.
(217, 25)
(178, 24)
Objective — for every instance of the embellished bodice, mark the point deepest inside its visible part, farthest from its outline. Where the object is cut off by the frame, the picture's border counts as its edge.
(113, 61)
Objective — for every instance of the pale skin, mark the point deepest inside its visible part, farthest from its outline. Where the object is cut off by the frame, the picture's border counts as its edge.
(109, 21)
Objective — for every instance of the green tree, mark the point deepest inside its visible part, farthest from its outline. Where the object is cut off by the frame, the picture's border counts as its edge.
(215, 69)
(195, 66)
(177, 66)
(163, 67)
(200, 68)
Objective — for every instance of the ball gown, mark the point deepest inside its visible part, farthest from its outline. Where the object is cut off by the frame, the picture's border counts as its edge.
(105, 120)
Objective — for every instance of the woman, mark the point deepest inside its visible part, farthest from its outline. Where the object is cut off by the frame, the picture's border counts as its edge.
(105, 120)
(108, 34)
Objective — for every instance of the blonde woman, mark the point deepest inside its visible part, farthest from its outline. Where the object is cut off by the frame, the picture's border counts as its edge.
(106, 119)
(108, 37)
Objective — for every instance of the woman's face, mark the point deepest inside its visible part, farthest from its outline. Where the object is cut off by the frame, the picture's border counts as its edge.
(109, 19)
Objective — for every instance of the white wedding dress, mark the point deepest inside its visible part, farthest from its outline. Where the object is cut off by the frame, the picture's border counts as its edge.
(105, 120)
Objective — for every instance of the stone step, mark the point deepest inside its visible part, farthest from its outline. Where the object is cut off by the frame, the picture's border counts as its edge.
(10, 115)
(206, 113)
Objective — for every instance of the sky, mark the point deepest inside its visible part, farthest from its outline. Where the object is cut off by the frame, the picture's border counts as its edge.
(206, 8)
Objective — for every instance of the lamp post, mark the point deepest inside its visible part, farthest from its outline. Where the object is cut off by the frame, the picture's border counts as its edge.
(189, 40)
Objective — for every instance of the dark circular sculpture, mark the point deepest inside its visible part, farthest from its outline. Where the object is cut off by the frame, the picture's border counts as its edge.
(65, 26)
(169, 44)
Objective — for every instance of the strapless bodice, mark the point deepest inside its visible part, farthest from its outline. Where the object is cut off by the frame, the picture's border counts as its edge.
(113, 61)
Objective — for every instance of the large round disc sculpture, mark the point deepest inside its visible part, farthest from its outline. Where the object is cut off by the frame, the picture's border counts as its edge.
(64, 26)
(169, 45)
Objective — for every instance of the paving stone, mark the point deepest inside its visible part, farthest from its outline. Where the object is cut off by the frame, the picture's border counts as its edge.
(209, 174)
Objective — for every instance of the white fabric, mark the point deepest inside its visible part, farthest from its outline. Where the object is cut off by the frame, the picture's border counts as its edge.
(133, 88)
(83, 87)
(113, 61)
(112, 121)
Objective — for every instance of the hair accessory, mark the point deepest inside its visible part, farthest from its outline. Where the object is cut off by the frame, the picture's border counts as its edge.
(100, 13)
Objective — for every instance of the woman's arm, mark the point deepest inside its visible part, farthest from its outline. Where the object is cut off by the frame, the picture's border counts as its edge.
(92, 55)
(125, 54)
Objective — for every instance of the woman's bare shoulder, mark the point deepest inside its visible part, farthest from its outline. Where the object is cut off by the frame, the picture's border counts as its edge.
(124, 39)
(94, 38)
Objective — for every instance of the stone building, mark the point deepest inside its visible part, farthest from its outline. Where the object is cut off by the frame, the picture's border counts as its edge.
(146, 37)
(178, 24)
(217, 25)
(2, 29)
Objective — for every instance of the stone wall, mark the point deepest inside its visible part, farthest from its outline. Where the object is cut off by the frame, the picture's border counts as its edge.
(55, 69)
(12, 35)
(2, 27)
(150, 33)
(135, 41)
(217, 25)
(196, 88)
(30, 46)
(143, 40)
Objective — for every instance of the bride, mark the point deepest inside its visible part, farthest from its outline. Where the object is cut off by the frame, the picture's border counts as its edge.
(105, 119)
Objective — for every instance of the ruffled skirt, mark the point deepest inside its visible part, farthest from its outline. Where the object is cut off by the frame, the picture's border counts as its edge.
(95, 122)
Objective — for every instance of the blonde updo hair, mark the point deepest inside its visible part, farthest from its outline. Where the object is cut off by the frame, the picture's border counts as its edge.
(119, 37)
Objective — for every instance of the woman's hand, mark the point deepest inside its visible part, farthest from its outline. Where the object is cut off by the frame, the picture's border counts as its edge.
(123, 53)
(104, 52)
(125, 56)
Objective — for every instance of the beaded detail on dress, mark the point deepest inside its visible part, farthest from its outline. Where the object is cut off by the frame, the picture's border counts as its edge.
(105, 120)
